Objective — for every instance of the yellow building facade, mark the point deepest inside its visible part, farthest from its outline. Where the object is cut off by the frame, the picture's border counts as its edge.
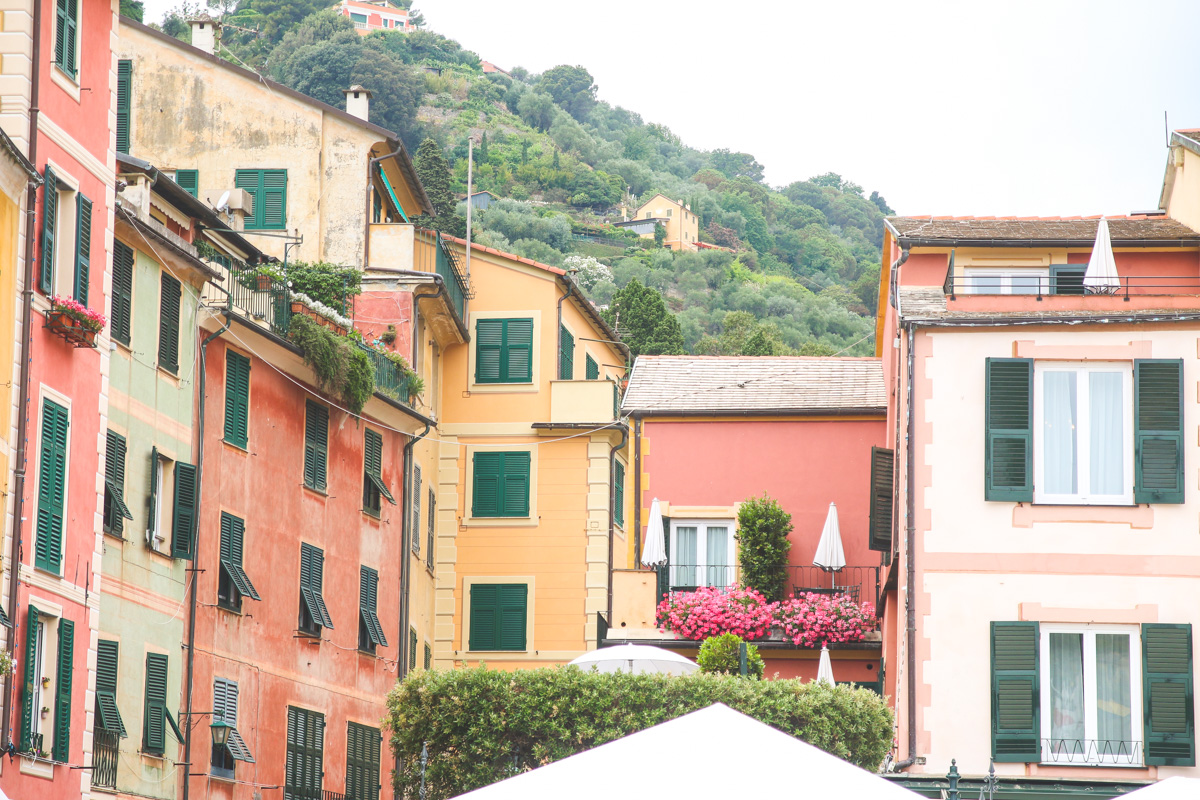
(682, 224)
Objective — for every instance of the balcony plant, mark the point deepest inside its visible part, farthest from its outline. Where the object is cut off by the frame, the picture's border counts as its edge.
(342, 368)
(722, 655)
(712, 611)
(74, 321)
(325, 283)
(811, 620)
(763, 545)
(321, 313)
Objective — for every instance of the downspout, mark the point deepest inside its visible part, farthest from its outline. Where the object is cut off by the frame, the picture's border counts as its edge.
(405, 547)
(910, 571)
(367, 206)
(612, 514)
(14, 563)
(558, 330)
(191, 645)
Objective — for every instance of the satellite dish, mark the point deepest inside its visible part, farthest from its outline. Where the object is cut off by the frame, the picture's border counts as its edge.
(223, 203)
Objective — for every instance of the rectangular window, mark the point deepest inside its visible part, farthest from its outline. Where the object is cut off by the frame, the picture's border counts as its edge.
(31, 696)
(305, 755)
(36, 736)
(66, 37)
(122, 292)
(619, 487)
(168, 324)
(1006, 281)
(115, 509)
(124, 95)
(52, 482)
(225, 703)
(370, 632)
(373, 486)
(592, 369)
(237, 398)
(313, 613)
(415, 530)
(155, 532)
(500, 484)
(316, 444)
(504, 351)
(233, 583)
(362, 762)
(108, 715)
(268, 187)
(498, 616)
(566, 355)
(188, 180)
(183, 529)
(157, 718)
(83, 247)
(701, 554)
(1067, 278)
(64, 673)
(431, 524)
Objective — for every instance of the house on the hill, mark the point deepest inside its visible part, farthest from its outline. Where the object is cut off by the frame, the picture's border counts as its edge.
(682, 224)
(375, 15)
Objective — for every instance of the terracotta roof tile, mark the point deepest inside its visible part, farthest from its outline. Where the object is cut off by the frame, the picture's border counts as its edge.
(1033, 229)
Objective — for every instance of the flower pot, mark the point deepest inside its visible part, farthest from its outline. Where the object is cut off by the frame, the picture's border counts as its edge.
(62, 324)
(262, 283)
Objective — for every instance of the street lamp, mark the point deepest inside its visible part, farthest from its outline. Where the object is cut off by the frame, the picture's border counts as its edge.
(220, 732)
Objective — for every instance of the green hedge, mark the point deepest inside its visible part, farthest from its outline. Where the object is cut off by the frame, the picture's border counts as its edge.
(483, 725)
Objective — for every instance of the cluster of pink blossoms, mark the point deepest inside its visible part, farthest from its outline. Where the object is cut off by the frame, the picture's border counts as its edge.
(92, 320)
(808, 619)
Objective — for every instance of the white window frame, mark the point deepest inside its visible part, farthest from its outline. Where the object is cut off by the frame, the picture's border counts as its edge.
(702, 565)
(40, 672)
(1089, 631)
(1084, 440)
(1005, 274)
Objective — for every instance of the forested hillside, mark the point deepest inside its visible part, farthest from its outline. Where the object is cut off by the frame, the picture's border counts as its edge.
(804, 274)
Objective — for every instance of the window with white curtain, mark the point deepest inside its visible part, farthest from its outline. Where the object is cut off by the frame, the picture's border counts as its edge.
(702, 553)
(1091, 694)
(1083, 433)
(1006, 281)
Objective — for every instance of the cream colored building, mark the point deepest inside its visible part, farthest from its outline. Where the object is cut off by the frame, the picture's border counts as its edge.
(682, 224)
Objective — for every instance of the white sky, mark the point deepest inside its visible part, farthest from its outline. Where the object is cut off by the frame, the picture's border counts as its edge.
(1025, 107)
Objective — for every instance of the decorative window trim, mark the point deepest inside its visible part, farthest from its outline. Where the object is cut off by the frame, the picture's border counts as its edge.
(531, 520)
(530, 612)
(534, 384)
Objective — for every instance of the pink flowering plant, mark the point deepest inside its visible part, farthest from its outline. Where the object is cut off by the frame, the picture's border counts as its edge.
(86, 317)
(712, 611)
(811, 619)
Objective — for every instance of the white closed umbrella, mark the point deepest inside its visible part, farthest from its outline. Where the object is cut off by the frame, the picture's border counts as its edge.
(830, 556)
(636, 658)
(1101, 275)
(825, 667)
(654, 549)
(1175, 788)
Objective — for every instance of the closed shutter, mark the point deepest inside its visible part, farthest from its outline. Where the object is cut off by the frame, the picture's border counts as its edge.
(312, 567)
(368, 604)
(415, 530)
(237, 398)
(316, 442)
(883, 462)
(1168, 695)
(504, 351)
(33, 626)
(188, 180)
(62, 691)
(518, 357)
(1008, 422)
(431, 525)
(70, 49)
(516, 484)
(251, 181)
(362, 762)
(619, 480)
(60, 33)
(168, 324)
(512, 606)
(124, 80)
(232, 533)
(154, 730)
(52, 477)
(412, 648)
(428, 656)
(274, 196)
(566, 354)
(122, 291)
(489, 344)
(1158, 430)
(593, 369)
(185, 511)
(83, 247)
(49, 228)
(305, 755)
(485, 489)
(498, 616)
(484, 618)
(1016, 707)
(107, 668)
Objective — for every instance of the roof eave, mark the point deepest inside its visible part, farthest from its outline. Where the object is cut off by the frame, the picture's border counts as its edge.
(907, 243)
(836, 411)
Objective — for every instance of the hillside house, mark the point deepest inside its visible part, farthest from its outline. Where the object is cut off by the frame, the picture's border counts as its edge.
(682, 224)
(369, 16)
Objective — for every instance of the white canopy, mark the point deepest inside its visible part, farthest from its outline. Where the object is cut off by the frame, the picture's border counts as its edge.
(1176, 788)
(654, 550)
(825, 667)
(636, 658)
(714, 752)
(1101, 275)
(830, 556)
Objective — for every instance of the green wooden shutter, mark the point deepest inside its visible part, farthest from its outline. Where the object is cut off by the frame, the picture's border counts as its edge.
(883, 462)
(512, 599)
(415, 530)
(49, 227)
(33, 624)
(619, 481)
(168, 323)
(60, 33)
(312, 567)
(185, 511)
(368, 604)
(1008, 422)
(122, 291)
(412, 647)
(188, 180)
(52, 477)
(70, 50)
(107, 668)
(251, 181)
(664, 571)
(274, 194)
(518, 350)
(154, 725)
(1168, 695)
(566, 354)
(593, 369)
(484, 617)
(114, 480)
(237, 398)
(373, 463)
(516, 484)
(62, 691)
(1016, 727)
(316, 443)
(305, 755)
(428, 656)
(124, 78)
(83, 247)
(362, 762)
(485, 487)
(232, 535)
(489, 344)
(1158, 430)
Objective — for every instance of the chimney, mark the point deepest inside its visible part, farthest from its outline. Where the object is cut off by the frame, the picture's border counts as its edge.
(358, 101)
(204, 33)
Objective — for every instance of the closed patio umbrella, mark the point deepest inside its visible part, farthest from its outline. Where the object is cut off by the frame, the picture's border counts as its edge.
(636, 658)
(654, 550)
(825, 668)
(830, 556)
(1101, 275)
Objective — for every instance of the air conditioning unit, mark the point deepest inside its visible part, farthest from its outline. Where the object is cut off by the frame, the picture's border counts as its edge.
(240, 200)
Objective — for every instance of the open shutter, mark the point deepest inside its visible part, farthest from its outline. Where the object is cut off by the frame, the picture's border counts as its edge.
(1008, 422)
(52, 477)
(316, 440)
(513, 598)
(237, 398)
(124, 78)
(1167, 695)
(412, 648)
(122, 291)
(60, 33)
(1158, 430)
(274, 197)
(882, 493)
(518, 351)
(83, 248)
(664, 571)
(62, 692)
(415, 531)
(484, 617)
(489, 342)
(1016, 707)
(368, 603)
(188, 180)
(154, 725)
(49, 227)
(185, 511)
(566, 354)
(152, 519)
(232, 534)
(107, 667)
(485, 490)
(619, 481)
(373, 463)
(168, 324)
(516, 484)
(33, 625)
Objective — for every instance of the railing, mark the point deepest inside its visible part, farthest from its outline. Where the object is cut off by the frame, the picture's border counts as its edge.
(390, 377)
(860, 583)
(432, 254)
(603, 240)
(1091, 751)
(261, 297)
(105, 748)
(329, 794)
(1069, 283)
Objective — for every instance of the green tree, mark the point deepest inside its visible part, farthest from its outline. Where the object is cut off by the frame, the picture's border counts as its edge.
(280, 16)
(571, 88)
(416, 18)
(537, 109)
(434, 173)
(736, 165)
(483, 148)
(643, 322)
(763, 545)
(132, 9)
(660, 234)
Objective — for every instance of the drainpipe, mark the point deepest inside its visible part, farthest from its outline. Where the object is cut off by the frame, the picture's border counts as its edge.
(405, 547)
(612, 513)
(191, 645)
(14, 563)
(367, 206)
(910, 572)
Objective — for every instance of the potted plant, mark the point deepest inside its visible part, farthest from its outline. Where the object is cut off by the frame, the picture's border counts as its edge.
(265, 275)
(389, 336)
(74, 321)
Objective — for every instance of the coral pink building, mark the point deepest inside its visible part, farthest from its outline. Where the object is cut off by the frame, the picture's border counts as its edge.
(379, 15)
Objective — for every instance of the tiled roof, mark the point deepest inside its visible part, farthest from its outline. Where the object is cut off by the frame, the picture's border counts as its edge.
(754, 384)
(1035, 229)
(1194, 134)
(928, 303)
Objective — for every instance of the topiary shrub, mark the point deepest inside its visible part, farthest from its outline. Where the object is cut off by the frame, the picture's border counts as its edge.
(723, 654)
(763, 545)
(484, 725)
(342, 369)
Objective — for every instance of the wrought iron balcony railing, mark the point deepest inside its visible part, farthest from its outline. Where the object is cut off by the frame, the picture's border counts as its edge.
(105, 751)
(860, 583)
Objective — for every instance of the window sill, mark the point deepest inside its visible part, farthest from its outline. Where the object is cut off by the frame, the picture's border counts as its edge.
(500, 522)
(367, 653)
(240, 448)
(322, 493)
(228, 608)
(114, 536)
(375, 516)
(502, 388)
(308, 635)
(37, 767)
(217, 773)
(173, 377)
(1138, 517)
(64, 81)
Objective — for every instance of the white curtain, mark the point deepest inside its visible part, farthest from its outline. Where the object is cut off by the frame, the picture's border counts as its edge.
(1106, 459)
(1067, 727)
(1114, 723)
(718, 557)
(1059, 423)
(684, 557)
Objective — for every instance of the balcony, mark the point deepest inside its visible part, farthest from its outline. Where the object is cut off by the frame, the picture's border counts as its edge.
(861, 584)
(582, 402)
(1051, 291)
(390, 378)
(392, 245)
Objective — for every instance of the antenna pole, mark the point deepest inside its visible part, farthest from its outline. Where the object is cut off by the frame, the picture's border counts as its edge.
(470, 200)
(1166, 128)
